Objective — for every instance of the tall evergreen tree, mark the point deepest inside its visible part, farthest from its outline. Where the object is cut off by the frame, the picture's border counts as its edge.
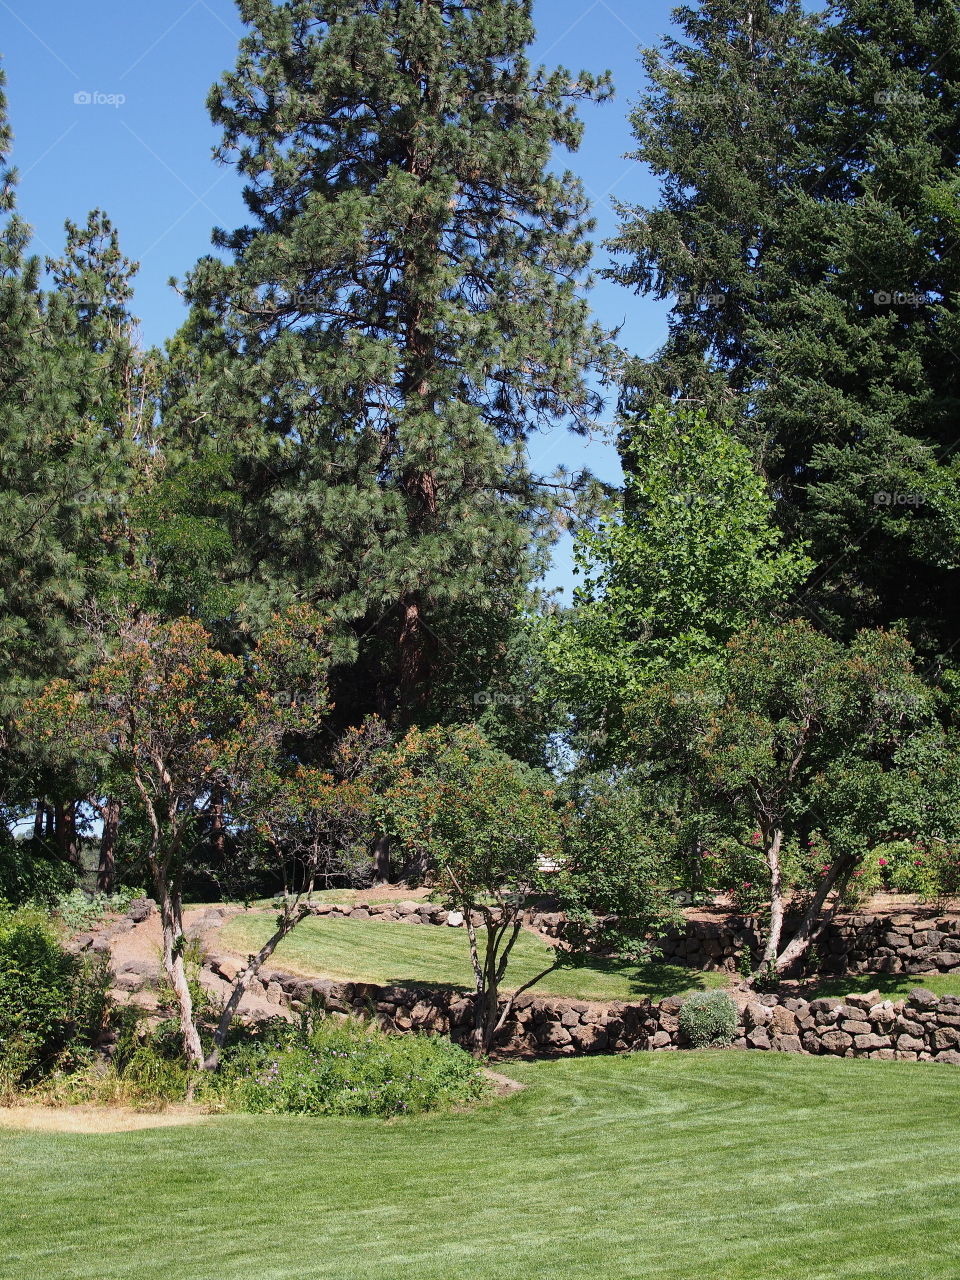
(801, 225)
(400, 314)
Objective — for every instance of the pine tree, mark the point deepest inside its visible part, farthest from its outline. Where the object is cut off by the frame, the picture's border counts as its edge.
(804, 164)
(400, 314)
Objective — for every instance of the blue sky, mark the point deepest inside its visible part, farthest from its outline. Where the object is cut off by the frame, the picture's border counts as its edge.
(141, 148)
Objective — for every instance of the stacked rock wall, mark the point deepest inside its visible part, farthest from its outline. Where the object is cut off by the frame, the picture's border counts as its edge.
(922, 1027)
(908, 942)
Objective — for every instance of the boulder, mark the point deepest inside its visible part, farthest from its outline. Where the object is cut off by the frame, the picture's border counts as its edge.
(455, 919)
(921, 998)
(589, 1038)
(866, 1042)
(784, 1021)
(835, 1041)
(757, 1015)
(787, 1044)
(865, 1001)
(758, 1038)
(555, 1036)
(141, 909)
(882, 1013)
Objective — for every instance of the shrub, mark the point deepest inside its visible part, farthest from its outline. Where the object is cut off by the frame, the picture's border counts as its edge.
(80, 911)
(348, 1068)
(931, 871)
(48, 998)
(708, 1018)
(141, 1074)
(29, 872)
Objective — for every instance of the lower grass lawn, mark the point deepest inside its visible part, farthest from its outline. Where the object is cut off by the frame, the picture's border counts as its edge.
(433, 955)
(674, 1166)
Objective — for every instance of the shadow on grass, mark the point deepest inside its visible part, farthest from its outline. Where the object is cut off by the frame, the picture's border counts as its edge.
(885, 983)
(647, 979)
(631, 981)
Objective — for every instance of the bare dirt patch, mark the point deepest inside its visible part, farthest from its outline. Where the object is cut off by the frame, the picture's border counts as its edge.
(96, 1119)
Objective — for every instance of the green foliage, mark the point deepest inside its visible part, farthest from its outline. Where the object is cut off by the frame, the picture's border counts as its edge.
(930, 869)
(348, 1068)
(807, 756)
(691, 557)
(400, 313)
(30, 873)
(80, 911)
(48, 998)
(806, 233)
(615, 876)
(480, 821)
(708, 1019)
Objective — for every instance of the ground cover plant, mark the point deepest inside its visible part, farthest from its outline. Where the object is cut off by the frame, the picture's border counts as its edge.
(347, 1068)
(674, 1166)
(329, 1066)
(433, 955)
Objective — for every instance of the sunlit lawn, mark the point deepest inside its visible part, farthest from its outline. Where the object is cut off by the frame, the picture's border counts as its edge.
(676, 1166)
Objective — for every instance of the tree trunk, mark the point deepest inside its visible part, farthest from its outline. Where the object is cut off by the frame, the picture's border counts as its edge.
(218, 830)
(171, 916)
(66, 832)
(776, 901)
(243, 980)
(381, 860)
(107, 865)
(808, 928)
(39, 819)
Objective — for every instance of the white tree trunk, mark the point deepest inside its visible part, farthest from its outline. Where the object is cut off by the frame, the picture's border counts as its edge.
(173, 943)
(776, 900)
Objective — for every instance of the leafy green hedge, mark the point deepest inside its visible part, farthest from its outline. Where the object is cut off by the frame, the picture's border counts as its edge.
(48, 998)
(348, 1068)
(29, 872)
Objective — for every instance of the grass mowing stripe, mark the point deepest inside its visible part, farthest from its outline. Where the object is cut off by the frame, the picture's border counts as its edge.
(675, 1166)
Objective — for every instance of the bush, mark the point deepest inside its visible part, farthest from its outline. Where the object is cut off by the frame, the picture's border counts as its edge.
(29, 872)
(143, 1073)
(48, 998)
(80, 911)
(931, 871)
(708, 1018)
(348, 1068)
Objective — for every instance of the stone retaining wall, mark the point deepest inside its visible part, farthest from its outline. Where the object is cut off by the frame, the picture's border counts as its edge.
(922, 1027)
(908, 942)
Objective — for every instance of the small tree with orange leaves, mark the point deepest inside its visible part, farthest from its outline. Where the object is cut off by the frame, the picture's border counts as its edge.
(177, 723)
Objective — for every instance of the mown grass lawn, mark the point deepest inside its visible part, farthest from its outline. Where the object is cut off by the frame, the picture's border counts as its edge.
(432, 955)
(678, 1166)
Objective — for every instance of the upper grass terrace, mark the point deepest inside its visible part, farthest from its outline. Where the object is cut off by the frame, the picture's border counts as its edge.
(394, 954)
